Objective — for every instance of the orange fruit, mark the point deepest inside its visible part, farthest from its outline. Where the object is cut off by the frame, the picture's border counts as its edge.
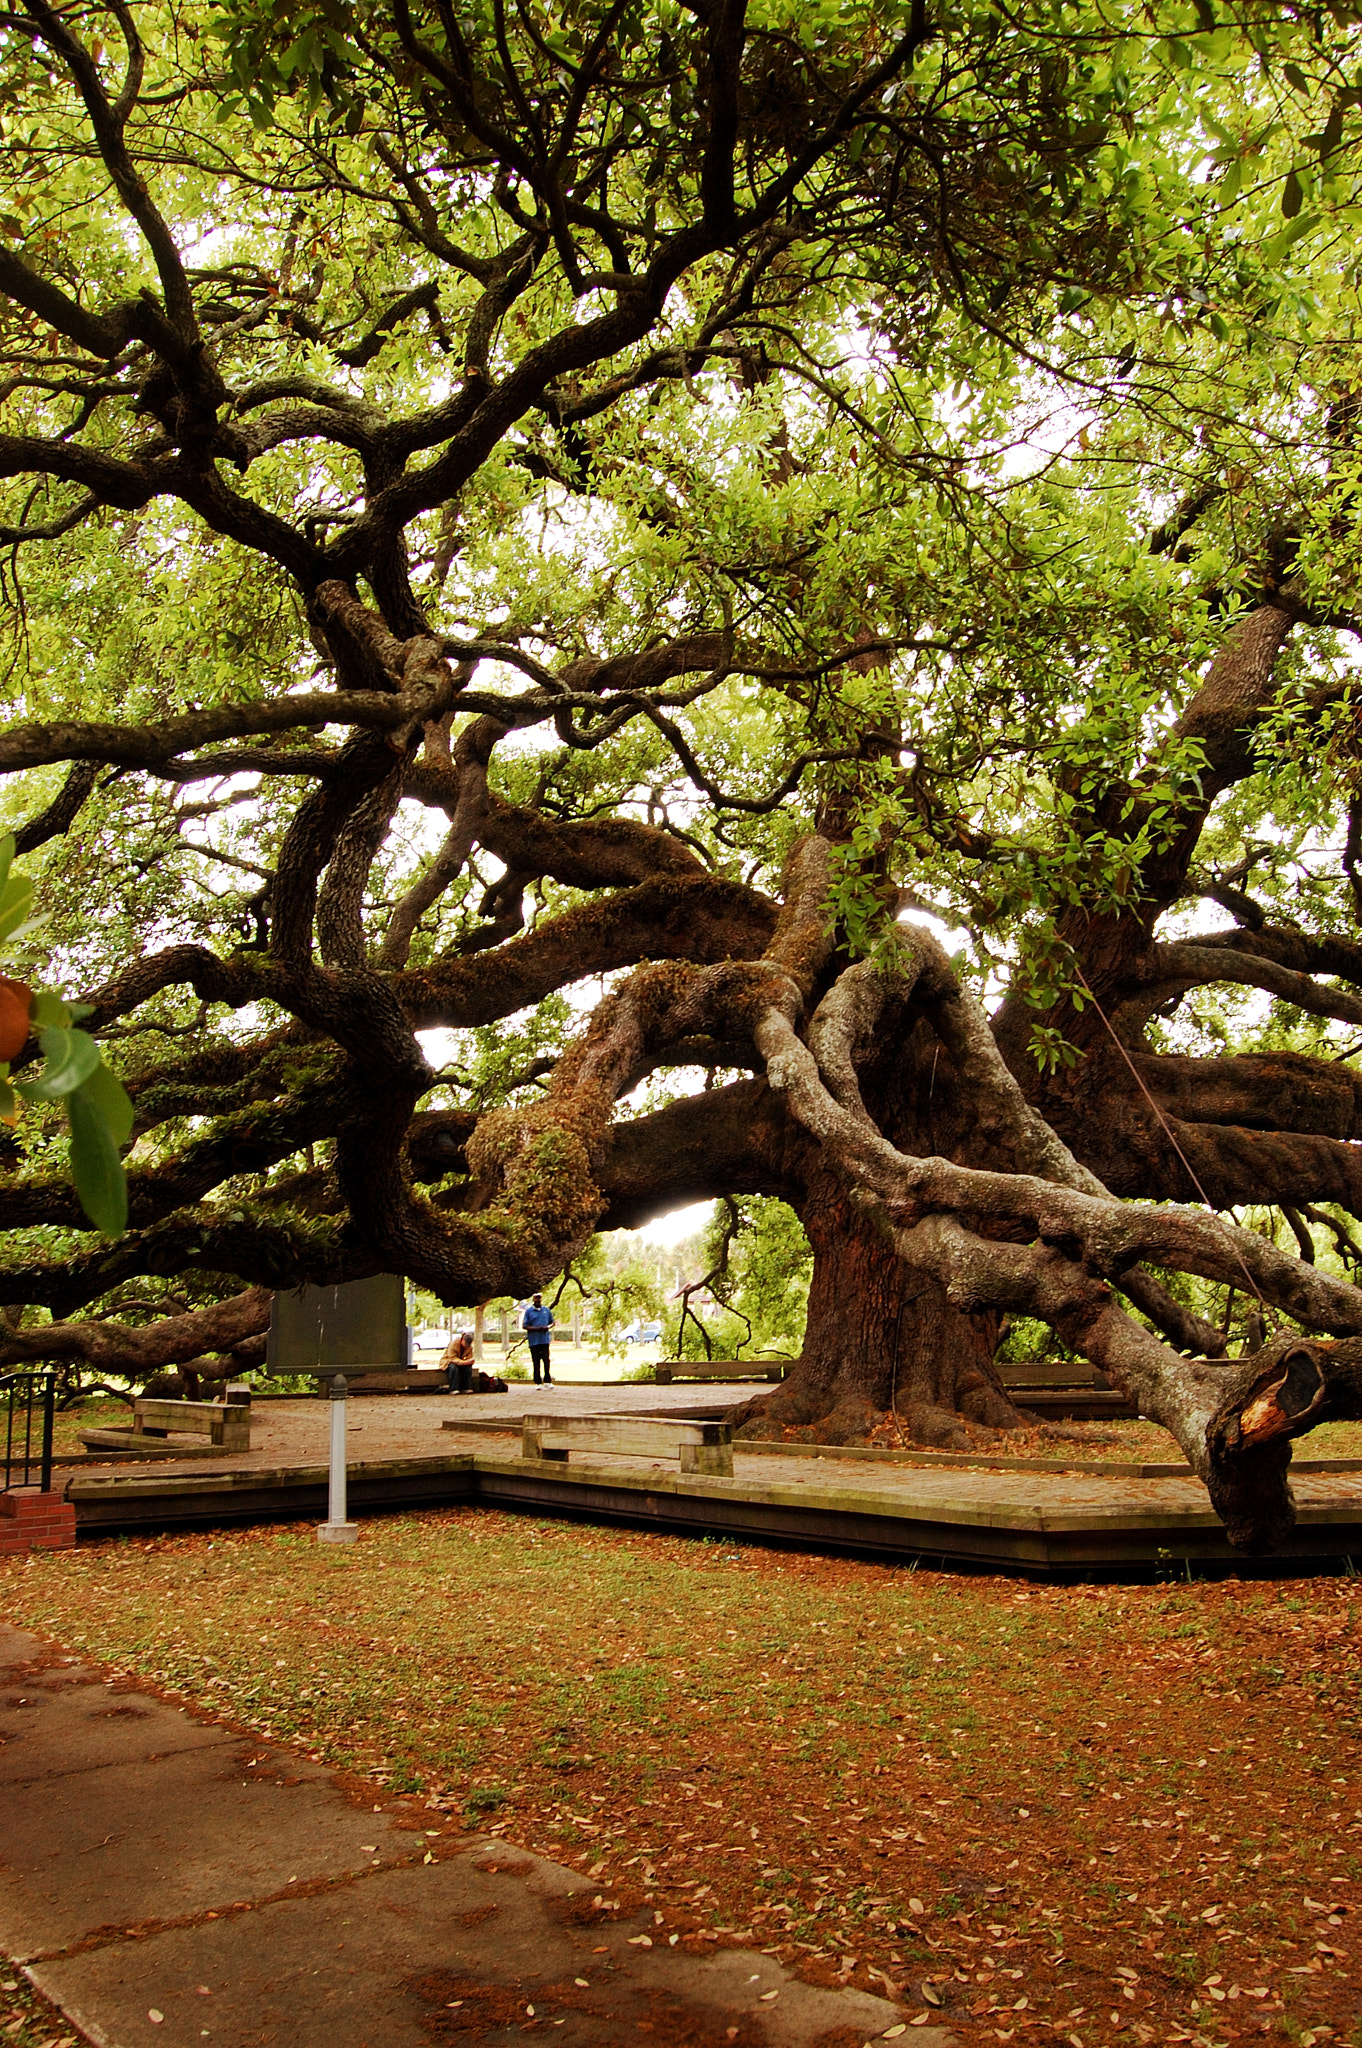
(15, 998)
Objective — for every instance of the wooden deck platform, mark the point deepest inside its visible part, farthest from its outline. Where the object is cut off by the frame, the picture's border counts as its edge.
(1033, 1516)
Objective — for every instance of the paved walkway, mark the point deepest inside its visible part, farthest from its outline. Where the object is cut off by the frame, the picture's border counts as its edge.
(972, 1491)
(408, 1425)
(406, 1450)
(164, 1881)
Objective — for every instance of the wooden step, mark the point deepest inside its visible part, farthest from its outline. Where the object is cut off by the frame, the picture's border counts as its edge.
(131, 1443)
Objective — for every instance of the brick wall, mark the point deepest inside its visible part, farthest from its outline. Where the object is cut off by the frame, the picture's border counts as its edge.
(30, 1520)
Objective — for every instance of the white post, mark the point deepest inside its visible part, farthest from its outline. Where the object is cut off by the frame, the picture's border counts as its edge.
(335, 1529)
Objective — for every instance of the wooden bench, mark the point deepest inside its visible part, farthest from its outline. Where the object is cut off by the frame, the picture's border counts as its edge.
(1071, 1390)
(226, 1424)
(1069, 1372)
(697, 1446)
(670, 1369)
(422, 1379)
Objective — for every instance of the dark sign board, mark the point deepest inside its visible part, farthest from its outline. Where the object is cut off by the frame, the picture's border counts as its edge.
(329, 1329)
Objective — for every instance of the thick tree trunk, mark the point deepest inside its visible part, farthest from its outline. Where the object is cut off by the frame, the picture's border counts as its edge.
(880, 1336)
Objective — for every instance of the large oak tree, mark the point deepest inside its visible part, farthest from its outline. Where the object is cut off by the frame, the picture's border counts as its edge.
(595, 534)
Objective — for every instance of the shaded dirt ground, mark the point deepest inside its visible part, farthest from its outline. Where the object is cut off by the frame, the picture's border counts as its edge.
(1051, 1814)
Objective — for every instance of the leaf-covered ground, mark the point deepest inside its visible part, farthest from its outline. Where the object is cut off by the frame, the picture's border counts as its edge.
(1051, 1814)
(1083, 1443)
(28, 2021)
(98, 1412)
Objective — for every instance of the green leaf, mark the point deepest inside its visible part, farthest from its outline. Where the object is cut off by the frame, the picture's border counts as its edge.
(96, 1167)
(1294, 231)
(16, 901)
(6, 856)
(106, 1093)
(49, 1011)
(71, 1056)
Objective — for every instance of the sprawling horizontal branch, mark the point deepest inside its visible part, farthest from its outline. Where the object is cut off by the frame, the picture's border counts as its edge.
(103, 337)
(698, 917)
(731, 1140)
(61, 813)
(587, 854)
(250, 1139)
(270, 1251)
(1144, 1155)
(1274, 1091)
(704, 918)
(137, 1353)
(1174, 969)
(359, 1010)
(233, 982)
(1110, 1236)
(157, 742)
(1297, 951)
(591, 853)
(1238, 1168)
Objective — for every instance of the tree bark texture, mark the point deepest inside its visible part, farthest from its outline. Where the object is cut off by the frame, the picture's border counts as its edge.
(880, 1337)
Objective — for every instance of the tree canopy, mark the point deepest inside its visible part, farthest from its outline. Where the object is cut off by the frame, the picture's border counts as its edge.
(613, 605)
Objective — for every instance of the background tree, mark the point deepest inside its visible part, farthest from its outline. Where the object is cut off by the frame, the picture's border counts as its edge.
(745, 1292)
(746, 477)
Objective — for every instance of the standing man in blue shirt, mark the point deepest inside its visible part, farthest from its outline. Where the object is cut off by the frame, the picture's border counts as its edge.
(536, 1322)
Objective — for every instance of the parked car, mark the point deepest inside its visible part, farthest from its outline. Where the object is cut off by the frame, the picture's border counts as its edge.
(641, 1333)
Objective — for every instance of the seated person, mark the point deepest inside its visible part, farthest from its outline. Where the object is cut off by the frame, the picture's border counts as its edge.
(457, 1363)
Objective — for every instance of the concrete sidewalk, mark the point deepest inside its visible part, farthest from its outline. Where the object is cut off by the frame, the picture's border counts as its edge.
(166, 1882)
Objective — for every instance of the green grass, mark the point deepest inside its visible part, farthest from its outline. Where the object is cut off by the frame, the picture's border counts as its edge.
(99, 1412)
(800, 1748)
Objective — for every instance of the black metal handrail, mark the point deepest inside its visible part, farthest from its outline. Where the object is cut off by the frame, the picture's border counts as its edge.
(28, 1405)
